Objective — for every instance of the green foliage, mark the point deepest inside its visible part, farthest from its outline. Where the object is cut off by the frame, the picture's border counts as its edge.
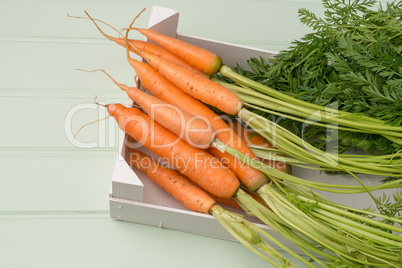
(388, 206)
(352, 59)
(391, 208)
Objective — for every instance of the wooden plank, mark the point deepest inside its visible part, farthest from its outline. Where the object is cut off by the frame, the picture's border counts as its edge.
(72, 240)
(56, 182)
(227, 20)
(52, 65)
(53, 122)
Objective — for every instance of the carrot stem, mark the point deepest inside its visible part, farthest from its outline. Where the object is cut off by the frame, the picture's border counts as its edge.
(328, 187)
(247, 234)
(328, 115)
(319, 231)
(294, 146)
(273, 221)
(280, 199)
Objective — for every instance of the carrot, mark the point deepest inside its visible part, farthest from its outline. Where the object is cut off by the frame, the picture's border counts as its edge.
(173, 182)
(199, 87)
(202, 59)
(193, 129)
(253, 138)
(198, 165)
(152, 48)
(169, 179)
(177, 185)
(159, 51)
(250, 177)
(160, 87)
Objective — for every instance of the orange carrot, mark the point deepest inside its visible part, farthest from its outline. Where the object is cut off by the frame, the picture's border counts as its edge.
(160, 87)
(173, 182)
(199, 87)
(179, 186)
(193, 129)
(202, 59)
(253, 138)
(159, 51)
(152, 48)
(198, 165)
(249, 176)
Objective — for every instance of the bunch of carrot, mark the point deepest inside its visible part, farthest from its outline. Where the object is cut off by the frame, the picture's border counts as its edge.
(176, 123)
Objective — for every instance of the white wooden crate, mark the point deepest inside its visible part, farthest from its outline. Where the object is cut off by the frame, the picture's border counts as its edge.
(134, 198)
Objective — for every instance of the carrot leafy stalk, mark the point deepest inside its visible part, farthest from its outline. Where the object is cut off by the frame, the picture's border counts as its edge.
(350, 59)
(326, 224)
(267, 99)
(292, 145)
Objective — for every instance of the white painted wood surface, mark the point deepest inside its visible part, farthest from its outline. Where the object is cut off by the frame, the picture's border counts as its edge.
(54, 209)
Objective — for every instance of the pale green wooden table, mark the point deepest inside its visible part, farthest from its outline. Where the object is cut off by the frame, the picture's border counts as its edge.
(54, 195)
